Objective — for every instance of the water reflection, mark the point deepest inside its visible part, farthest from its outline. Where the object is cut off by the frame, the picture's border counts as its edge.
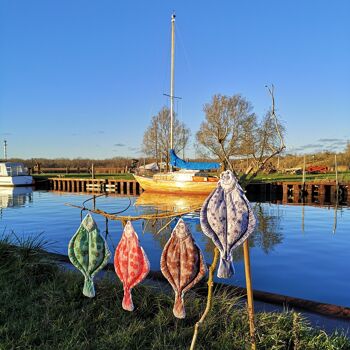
(313, 265)
(266, 236)
(170, 202)
(11, 197)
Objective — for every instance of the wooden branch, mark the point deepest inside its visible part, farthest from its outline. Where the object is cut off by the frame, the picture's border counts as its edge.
(133, 218)
(209, 299)
(261, 163)
(271, 91)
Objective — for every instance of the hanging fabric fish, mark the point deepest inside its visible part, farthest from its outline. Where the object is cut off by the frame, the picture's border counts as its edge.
(88, 252)
(228, 219)
(182, 264)
(131, 263)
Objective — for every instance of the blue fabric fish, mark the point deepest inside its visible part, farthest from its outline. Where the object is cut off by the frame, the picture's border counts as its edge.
(228, 219)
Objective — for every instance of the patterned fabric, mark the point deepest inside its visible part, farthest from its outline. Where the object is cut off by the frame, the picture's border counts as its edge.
(182, 264)
(228, 219)
(88, 252)
(131, 264)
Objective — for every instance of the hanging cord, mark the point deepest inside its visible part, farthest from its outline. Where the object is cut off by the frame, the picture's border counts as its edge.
(81, 214)
(106, 231)
(97, 211)
(94, 197)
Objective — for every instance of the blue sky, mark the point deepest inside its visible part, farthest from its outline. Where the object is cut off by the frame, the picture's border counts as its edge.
(83, 78)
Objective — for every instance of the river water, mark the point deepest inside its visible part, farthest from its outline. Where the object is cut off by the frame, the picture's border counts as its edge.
(300, 251)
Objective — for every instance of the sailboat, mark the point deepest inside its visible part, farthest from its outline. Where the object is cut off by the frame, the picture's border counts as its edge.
(191, 178)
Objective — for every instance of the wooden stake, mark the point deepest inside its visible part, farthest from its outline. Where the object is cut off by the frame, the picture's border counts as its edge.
(250, 302)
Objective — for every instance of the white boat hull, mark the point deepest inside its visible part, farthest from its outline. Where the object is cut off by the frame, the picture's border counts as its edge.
(12, 181)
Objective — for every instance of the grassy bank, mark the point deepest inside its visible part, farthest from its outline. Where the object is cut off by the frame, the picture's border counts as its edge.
(42, 307)
(342, 177)
(125, 176)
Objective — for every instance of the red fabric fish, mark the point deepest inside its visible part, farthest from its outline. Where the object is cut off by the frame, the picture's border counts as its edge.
(182, 264)
(131, 264)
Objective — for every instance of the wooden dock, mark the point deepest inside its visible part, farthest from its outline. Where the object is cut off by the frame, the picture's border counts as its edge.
(313, 193)
(323, 192)
(123, 187)
(319, 193)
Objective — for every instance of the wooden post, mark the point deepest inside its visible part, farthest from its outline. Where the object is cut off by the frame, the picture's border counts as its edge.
(250, 301)
(296, 193)
(285, 192)
(128, 188)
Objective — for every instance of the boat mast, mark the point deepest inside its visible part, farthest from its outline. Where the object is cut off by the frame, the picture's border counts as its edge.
(172, 81)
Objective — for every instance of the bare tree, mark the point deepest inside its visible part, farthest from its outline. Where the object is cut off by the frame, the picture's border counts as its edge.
(232, 131)
(225, 131)
(156, 139)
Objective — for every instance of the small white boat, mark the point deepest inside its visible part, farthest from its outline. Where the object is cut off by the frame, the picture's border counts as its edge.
(14, 174)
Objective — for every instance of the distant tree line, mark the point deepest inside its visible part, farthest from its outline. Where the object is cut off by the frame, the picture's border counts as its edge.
(115, 162)
(285, 161)
(230, 133)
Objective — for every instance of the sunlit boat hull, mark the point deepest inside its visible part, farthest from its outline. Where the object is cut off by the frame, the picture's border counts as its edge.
(173, 186)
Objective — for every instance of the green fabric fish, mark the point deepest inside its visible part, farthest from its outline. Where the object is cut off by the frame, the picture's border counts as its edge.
(88, 252)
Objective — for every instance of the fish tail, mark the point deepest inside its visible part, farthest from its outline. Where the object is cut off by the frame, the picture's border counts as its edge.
(226, 269)
(179, 307)
(89, 289)
(127, 303)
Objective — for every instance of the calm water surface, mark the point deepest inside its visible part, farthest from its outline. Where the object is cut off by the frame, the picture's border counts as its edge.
(297, 251)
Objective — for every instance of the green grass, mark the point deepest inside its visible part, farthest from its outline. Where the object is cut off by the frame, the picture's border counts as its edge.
(342, 177)
(126, 176)
(42, 307)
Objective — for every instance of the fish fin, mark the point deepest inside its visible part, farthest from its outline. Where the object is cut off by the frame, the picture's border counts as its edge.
(226, 269)
(179, 307)
(89, 289)
(127, 303)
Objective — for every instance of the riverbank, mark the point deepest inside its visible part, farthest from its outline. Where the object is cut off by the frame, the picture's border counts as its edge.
(266, 178)
(42, 306)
